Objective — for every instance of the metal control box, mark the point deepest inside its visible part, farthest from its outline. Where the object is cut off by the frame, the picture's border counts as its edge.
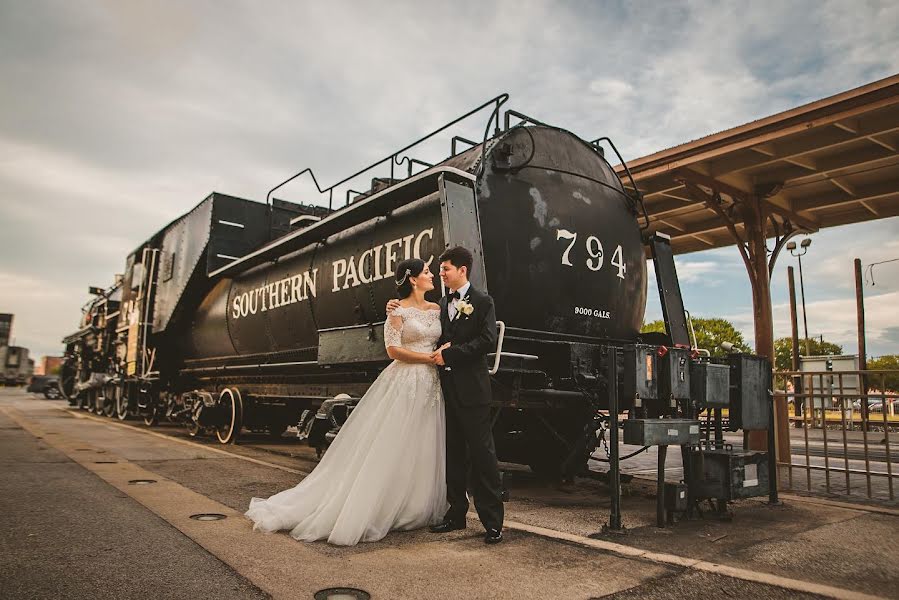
(750, 380)
(640, 372)
(676, 498)
(710, 384)
(674, 374)
(728, 475)
(661, 432)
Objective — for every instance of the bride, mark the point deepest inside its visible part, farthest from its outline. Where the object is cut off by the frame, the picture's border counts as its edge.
(386, 468)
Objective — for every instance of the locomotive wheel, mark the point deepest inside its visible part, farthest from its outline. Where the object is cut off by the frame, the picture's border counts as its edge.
(151, 416)
(121, 405)
(109, 399)
(67, 385)
(232, 403)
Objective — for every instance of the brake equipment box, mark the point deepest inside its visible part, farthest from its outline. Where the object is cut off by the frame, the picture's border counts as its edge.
(641, 372)
(661, 432)
(710, 384)
(750, 380)
(674, 374)
(724, 474)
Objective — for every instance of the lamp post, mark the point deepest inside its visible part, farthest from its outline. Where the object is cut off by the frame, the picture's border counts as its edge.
(791, 246)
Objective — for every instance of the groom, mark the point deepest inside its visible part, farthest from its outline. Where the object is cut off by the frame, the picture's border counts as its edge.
(468, 322)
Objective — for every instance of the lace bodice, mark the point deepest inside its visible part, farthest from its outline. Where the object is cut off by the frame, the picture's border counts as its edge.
(419, 331)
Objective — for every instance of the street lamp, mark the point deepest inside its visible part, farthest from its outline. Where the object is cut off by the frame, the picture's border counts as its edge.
(791, 246)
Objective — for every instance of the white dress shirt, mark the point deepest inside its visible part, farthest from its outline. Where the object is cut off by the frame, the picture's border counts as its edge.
(451, 307)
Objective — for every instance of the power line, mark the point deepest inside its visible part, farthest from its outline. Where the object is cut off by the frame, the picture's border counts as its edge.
(869, 269)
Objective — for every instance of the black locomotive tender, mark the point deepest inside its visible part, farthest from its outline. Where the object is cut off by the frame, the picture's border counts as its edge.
(248, 316)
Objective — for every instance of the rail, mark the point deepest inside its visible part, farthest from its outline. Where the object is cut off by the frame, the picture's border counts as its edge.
(843, 425)
(396, 158)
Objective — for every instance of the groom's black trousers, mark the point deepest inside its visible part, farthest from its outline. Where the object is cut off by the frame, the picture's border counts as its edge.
(469, 448)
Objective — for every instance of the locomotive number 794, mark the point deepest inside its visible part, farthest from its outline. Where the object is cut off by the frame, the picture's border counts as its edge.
(594, 251)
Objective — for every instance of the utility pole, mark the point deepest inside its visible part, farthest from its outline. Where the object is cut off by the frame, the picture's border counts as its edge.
(862, 350)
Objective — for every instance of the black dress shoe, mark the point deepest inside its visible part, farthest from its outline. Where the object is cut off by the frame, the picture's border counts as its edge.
(493, 536)
(447, 526)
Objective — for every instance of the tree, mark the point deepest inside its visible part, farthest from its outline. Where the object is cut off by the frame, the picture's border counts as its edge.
(783, 351)
(710, 333)
(887, 362)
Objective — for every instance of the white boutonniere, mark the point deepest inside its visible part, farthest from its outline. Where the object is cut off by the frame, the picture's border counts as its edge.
(463, 307)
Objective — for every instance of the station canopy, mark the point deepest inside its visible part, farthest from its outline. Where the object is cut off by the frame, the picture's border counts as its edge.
(823, 164)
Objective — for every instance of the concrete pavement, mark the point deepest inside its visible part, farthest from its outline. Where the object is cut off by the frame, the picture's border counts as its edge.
(800, 550)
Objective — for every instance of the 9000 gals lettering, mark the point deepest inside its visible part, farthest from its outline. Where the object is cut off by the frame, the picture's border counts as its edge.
(592, 312)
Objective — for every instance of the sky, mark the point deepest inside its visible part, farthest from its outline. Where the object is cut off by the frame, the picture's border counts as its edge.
(119, 116)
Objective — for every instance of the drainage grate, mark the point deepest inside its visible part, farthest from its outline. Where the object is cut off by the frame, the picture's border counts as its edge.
(141, 481)
(207, 517)
(342, 594)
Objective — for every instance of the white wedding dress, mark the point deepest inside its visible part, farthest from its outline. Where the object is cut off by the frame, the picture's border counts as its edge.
(386, 468)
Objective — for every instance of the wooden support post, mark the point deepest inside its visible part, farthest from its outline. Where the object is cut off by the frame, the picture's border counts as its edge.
(754, 212)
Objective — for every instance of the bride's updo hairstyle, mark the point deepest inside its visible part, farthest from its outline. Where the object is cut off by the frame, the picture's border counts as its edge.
(411, 267)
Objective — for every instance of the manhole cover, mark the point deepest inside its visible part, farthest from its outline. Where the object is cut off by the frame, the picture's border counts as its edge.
(207, 517)
(342, 594)
(142, 481)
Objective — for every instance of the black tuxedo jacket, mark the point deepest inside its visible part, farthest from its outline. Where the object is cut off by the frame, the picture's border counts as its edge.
(472, 337)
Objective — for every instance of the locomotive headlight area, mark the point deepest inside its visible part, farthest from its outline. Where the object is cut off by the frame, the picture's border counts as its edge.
(242, 319)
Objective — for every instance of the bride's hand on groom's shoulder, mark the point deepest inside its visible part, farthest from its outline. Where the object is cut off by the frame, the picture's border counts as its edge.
(392, 305)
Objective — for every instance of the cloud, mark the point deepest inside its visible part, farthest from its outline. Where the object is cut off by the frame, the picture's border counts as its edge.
(124, 115)
(836, 321)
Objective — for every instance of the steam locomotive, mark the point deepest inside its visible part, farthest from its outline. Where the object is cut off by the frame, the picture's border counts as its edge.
(242, 316)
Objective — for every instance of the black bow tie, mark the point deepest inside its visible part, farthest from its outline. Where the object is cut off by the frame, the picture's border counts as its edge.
(453, 296)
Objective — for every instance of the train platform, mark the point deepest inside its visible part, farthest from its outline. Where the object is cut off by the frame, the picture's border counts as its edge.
(92, 507)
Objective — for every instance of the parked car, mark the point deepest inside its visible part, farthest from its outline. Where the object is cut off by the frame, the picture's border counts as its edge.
(48, 385)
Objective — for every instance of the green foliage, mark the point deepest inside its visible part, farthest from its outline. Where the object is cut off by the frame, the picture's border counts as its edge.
(887, 362)
(783, 351)
(710, 333)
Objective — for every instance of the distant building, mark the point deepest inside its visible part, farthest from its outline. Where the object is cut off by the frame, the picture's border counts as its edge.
(5, 328)
(49, 365)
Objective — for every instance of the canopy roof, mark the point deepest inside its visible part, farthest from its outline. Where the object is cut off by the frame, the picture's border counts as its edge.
(827, 163)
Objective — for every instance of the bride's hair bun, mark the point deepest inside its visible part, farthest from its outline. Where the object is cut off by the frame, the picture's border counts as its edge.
(406, 269)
